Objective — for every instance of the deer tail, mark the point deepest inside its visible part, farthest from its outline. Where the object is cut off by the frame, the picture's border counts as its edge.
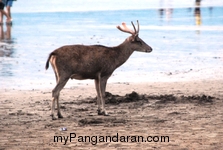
(47, 62)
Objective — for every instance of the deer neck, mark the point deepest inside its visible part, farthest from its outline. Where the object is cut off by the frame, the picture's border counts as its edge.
(124, 52)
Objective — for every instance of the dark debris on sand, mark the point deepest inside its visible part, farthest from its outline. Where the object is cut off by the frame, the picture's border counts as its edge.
(198, 99)
(116, 99)
(162, 99)
(98, 121)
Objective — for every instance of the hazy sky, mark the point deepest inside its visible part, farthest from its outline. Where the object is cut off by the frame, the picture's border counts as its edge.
(87, 5)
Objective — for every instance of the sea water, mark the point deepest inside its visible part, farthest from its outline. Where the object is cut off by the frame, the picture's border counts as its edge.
(185, 46)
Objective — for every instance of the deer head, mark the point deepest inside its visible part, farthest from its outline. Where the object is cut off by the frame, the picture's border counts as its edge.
(137, 44)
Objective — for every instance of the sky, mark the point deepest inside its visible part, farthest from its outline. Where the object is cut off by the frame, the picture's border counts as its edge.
(24, 6)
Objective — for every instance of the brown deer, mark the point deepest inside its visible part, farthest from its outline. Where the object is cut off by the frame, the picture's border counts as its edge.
(96, 62)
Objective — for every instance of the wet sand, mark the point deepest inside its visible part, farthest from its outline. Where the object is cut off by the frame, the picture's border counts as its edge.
(190, 113)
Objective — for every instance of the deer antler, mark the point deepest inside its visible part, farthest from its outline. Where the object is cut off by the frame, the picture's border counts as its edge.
(137, 32)
(124, 28)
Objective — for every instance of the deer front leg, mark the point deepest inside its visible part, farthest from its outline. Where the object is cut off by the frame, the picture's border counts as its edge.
(102, 87)
(98, 95)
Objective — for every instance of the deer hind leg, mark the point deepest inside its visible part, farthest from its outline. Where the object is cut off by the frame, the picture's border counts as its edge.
(52, 109)
(56, 93)
(53, 64)
(61, 82)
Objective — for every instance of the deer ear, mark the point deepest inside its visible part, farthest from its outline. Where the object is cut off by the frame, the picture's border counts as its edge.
(135, 37)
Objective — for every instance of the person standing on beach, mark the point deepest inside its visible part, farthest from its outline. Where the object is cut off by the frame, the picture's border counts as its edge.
(2, 11)
(8, 7)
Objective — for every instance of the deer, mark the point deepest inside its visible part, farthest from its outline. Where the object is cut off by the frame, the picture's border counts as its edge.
(96, 62)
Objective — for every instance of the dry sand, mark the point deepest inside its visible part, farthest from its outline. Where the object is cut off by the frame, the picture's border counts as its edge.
(190, 113)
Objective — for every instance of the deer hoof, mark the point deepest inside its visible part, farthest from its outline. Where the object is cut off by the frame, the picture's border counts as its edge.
(53, 118)
(99, 112)
(104, 113)
(59, 115)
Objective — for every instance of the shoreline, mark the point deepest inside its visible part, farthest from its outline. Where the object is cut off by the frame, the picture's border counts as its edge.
(198, 87)
(119, 76)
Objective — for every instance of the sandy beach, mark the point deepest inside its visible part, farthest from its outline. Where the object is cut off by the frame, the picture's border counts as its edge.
(189, 113)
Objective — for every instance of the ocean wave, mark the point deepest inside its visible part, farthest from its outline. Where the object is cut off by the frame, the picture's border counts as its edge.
(151, 27)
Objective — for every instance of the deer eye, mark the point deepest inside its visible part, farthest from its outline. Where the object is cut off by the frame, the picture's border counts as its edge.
(138, 42)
